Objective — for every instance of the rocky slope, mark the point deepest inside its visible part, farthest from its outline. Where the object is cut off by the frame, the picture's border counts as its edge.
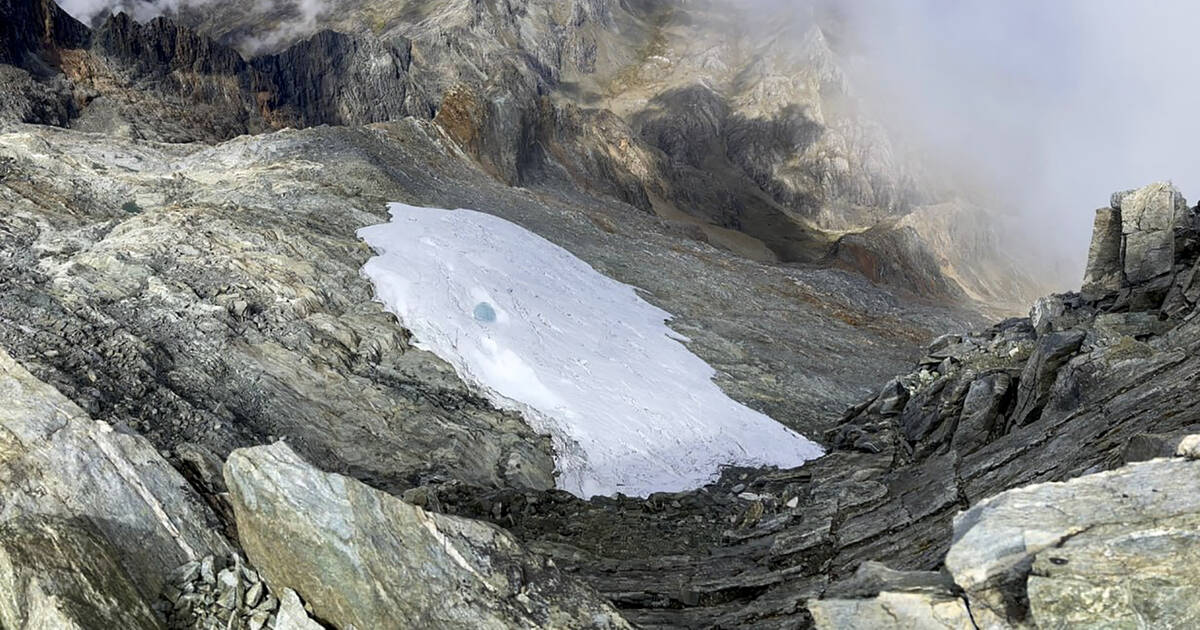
(180, 290)
(1080, 387)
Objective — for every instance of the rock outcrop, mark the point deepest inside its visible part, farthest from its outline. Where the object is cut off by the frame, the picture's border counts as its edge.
(1104, 550)
(1109, 550)
(362, 558)
(1105, 268)
(1138, 247)
(92, 521)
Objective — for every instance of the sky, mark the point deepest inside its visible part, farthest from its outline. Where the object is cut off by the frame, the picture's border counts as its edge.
(1043, 107)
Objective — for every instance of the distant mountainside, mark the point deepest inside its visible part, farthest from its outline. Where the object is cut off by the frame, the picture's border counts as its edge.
(749, 137)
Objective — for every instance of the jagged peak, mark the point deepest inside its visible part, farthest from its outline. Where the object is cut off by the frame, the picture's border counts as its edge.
(33, 31)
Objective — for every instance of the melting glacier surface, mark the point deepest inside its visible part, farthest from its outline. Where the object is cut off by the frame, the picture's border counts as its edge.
(580, 355)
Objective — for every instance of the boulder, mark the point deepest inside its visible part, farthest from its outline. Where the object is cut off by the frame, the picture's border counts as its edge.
(363, 558)
(1104, 266)
(1033, 388)
(106, 518)
(1189, 447)
(292, 615)
(982, 411)
(1044, 311)
(1149, 218)
(1108, 550)
(891, 399)
(878, 597)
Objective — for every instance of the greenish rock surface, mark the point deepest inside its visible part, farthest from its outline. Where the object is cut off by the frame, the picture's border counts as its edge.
(93, 520)
(365, 559)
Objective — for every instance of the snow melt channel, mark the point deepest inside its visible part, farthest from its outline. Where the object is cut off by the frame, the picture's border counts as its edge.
(586, 360)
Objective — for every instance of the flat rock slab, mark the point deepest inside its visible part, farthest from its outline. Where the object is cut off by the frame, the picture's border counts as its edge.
(1090, 549)
(363, 558)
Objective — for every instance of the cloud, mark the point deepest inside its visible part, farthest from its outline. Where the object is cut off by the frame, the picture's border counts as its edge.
(1044, 107)
(264, 25)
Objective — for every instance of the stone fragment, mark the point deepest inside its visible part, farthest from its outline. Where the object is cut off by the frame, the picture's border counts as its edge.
(228, 586)
(891, 399)
(1044, 311)
(362, 557)
(1189, 447)
(1052, 352)
(982, 411)
(292, 615)
(185, 573)
(208, 571)
(254, 594)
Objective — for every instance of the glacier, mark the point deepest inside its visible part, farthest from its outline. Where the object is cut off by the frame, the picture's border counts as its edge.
(533, 328)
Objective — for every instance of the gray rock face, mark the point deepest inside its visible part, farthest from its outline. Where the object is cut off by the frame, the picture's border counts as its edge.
(877, 597)
(1149, 219)
(93, 520)
(230, 335)
(63, 574)
(33, 29)
(209, 295)
(616, 98)
(363, 558)
(1107, 551)
(1038, 377)
(1105, 269)
(337, 79)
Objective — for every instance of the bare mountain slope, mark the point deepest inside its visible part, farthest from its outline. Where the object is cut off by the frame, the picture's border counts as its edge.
(751, 137)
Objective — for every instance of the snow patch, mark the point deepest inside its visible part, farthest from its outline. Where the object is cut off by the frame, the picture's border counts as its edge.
(585, 359)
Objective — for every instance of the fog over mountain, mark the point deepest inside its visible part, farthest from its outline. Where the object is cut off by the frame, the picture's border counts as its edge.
(1043, 106)
(1034, 109)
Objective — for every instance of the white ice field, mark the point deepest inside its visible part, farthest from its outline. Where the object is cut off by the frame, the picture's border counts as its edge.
(580, 355)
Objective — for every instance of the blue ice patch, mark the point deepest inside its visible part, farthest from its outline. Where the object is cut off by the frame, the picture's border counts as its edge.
(485, 313)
